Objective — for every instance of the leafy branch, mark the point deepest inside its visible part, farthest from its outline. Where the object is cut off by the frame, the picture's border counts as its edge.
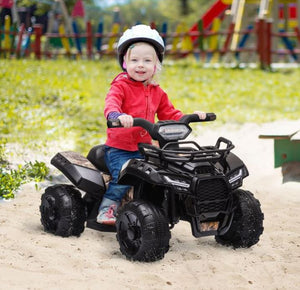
(12, 179)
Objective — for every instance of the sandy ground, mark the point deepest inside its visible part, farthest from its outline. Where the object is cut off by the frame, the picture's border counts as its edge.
(33, 259)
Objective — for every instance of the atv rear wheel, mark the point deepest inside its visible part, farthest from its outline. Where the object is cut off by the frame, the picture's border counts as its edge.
(63, 211)
(247, 223)
(142, 231)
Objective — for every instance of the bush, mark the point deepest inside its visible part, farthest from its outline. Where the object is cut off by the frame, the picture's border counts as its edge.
(11, 179)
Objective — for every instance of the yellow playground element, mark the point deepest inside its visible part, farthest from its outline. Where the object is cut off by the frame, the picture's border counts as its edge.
(112, 40)
(182, 40)
(6, 40)
(267, 9)
(64, 40)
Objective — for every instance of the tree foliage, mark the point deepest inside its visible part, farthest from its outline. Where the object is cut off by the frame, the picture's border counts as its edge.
(46, 5)
(132, 11)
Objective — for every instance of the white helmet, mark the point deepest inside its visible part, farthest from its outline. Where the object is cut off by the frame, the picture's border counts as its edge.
(140, 33)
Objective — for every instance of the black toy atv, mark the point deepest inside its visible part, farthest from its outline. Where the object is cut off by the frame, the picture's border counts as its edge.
(179, 180)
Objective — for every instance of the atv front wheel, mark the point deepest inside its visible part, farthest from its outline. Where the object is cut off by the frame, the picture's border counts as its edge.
(63, 211)
(142, 231)
(247, 223)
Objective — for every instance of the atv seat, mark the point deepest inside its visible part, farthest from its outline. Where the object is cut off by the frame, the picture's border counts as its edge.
(96, 157)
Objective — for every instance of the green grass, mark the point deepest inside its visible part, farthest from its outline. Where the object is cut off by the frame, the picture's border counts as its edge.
(43, 101)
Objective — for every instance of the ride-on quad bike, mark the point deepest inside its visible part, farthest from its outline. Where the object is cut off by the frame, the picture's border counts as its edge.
(179, 180)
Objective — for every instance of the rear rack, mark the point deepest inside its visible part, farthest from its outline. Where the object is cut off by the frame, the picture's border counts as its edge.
(172, 152)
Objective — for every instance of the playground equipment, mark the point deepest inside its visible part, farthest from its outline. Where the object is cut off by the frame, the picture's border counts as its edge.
(286, 144)
(267, 28)
(234, 30)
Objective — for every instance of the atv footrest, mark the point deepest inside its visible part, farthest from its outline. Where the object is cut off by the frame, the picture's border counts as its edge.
(92, 224)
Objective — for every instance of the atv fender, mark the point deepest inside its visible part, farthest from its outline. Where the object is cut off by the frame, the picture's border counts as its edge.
(233, 162)
(80, 171)
(136, 170)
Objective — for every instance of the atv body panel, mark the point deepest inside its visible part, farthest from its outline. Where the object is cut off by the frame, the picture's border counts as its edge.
(192, 187)
(178, 180)
(80, 171)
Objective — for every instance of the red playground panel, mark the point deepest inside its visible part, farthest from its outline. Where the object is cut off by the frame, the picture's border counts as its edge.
(214, 11)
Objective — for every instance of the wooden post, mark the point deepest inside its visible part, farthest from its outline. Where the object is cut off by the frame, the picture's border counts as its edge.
(261, 42)
(201, 36)
(164, 31)
(297, 31)
(99, 37)
(77, 37)
(89, 40)
(64, 39)
(275, 17)
(66, 15)
(6, 40)
(20, 38)
(237, 19)
(268, 39)
(228, 38)
(37, 44)
(298, 14)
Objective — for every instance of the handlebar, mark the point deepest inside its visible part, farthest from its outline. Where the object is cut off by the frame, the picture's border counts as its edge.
(140, 122)
(164, 131)
(195, 118)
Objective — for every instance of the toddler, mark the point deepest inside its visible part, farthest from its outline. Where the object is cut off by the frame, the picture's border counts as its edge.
(133, 94)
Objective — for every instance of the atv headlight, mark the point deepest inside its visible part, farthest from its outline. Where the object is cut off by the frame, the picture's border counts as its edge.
(179, 184)
(174, 132)
(236, 178)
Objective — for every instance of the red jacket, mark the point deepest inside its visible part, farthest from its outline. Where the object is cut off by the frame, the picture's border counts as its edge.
(133, 98)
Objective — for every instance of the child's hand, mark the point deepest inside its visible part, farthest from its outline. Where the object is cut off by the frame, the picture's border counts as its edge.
(202, 115)
(126, 120)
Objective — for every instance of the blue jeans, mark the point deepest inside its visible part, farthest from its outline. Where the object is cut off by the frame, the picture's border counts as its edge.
(114, 159)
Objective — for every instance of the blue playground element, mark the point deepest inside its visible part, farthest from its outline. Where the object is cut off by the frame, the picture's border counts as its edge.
(288, 44)
(99, 39)
(77, 39)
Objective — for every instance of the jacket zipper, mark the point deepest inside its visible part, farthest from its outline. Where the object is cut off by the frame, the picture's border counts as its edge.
(147, 101)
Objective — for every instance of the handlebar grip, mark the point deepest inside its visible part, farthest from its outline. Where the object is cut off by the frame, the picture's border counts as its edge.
(190, 118)
(114, 123)
(210, 117)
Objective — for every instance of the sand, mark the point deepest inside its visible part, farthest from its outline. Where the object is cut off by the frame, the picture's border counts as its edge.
(33, 259)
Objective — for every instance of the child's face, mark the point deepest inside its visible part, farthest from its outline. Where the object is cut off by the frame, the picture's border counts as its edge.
(141, 62)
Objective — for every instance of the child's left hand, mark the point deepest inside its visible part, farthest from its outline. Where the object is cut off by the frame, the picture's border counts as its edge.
(202, 115)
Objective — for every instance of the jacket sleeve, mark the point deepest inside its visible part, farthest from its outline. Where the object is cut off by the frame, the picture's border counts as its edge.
(113, 100)
(166, 110)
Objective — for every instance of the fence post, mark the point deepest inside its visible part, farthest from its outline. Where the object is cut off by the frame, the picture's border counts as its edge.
(228, 39)
(20, 38)
(6, 39)
(89, 39)
(261, 43)
(164, 31)
(268, 44)
(297, 31)
(37, 44)
(99, 36)
(77, 37)
(201, 36)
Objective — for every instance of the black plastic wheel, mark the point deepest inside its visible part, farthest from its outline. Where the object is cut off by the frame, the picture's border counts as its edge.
(63, 211)
(247, 223)
(142, 231)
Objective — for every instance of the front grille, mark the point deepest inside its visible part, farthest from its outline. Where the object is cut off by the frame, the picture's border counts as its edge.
(211, 196)
(211, 189)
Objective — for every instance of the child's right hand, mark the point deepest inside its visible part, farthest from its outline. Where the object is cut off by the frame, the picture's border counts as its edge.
(201, 115)
(126, 120)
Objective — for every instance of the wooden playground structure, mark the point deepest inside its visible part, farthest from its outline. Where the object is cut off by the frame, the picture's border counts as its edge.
(240, 31)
